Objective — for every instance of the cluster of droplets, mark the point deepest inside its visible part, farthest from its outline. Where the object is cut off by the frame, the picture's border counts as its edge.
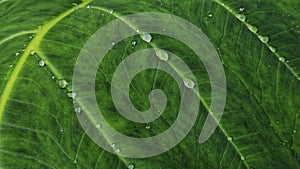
(116, 149)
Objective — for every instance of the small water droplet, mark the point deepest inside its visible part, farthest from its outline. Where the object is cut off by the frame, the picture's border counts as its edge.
(118, 150)
(40, 26)
(242, 9)
(98, 126)
(294, 131)
(62, 83)
(75, 161)
(210, 15)
(241, 17)
(243, 158)
(78, 110)
(10, 66)
(281, 59)
(110, 11)
(252, 28)
(130, 166)
(133, 43)
(41, 63)
(17, 53)
(113, 145)
(88, 7)
(161, 54)
(61, 130)
(53, 77)
(188, 83)
(263, 39)
(229, 138)
(164, 30)
(146, 37)
(113, 43)
(74, 4)
(272, 49)
(30, 37)
(137, 30)
(32, 52)
(148, 127)
(71, 95)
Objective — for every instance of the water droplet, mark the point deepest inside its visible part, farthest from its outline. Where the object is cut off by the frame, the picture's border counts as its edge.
(241, 17)
(10, 66)
(53, 77)
(71, 95)
(40, 26)
(62, 83)
(75, 161)
(252, 28)
(61, 130)
(148, 127)
(243, 158)
(130, 166)
(30, 37)
(110, 11)
(161, 54)
(281, 59)
(242, 9)
(164, 29)
(146, 37)
(263, 39)
(188, 83)
(88, 7)
(272, 49)
(210, 15)
(98, 126)
(32, 52)
(294, 131)
(133, 43)
(41, 63)
(113, 145)
(74, 4)
(137, 30)
(113, 43)
(78, 110)
(17, 53)
(118, 150)
(229, 138)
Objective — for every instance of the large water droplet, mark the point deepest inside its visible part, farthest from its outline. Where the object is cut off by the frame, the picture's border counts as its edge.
(41, 63)
(252, 28)
(161, 54)
(188, 83)
(241, 17)
(263, 39)
(62, 83)
(281, 59)
(130, 166)
(146, 37)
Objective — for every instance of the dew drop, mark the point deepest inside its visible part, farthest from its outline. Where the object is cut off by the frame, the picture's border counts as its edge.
(71, 95)
(137, 30)
(161, 54)
(74, 4)
(229, 138)
(88, 7)
(40, 26)
(263, 39)
(281, 59)
(113, 43)
(113, 145)
(210, 15)
(75, 161)
(130, 166)
(30, 37)
(32, 52)
(110, 11)
(148, 127)
(146, 37)
(242, 9)
(133, 43)
(272, 49)
(252, 28)
(17, 53)
(41, 63)
(241, 17)
(98, 126)
(164, 29)
(188, 83)
(243, 158)
(10, 66)
(78, 110)
(118, 150)
(53, 77)
(294, 131)
(61, 130)
(62, 83)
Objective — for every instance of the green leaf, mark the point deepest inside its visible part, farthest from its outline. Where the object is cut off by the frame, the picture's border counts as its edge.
(257, 41)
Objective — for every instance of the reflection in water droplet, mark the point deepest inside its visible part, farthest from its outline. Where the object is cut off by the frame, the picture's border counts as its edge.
(281, 59)
(41, 63)
(133, 43)
(146, 37)
(252, 28)
(98, 126)
(161, 54)
(78, 110)
(130, 166)
(62, 83)
(241, 17)
(188, 83)
(263, 39)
